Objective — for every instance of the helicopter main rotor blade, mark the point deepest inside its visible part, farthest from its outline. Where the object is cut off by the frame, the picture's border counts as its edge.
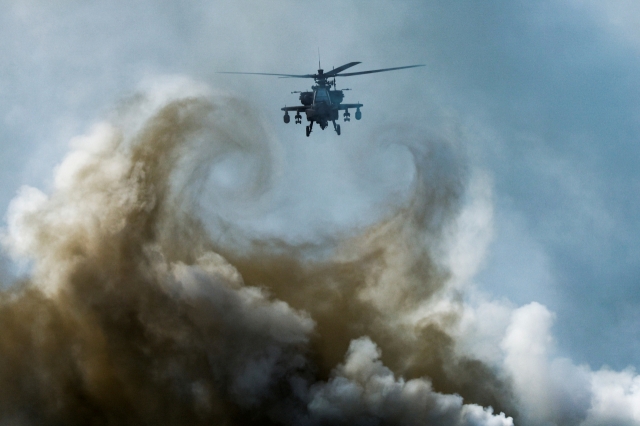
(339, 69)
(266, 73)
(373, 71)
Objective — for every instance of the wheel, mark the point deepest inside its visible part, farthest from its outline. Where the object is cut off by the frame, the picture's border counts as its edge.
(338, 129)
(308, 131)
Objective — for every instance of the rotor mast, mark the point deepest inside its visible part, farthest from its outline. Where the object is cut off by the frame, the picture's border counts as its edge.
(324, 80)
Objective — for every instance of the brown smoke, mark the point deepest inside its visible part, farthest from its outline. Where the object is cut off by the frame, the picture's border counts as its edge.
(135, 315)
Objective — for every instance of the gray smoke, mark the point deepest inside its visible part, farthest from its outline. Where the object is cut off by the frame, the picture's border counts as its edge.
(137, 312)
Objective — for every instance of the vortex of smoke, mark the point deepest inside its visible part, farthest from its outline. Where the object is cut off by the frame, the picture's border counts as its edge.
(134, 314)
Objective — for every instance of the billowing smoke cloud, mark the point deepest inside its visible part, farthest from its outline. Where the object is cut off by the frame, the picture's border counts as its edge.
(132, 315)
(145, 306)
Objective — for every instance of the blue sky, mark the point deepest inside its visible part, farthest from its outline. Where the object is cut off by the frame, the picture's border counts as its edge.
(543, 96)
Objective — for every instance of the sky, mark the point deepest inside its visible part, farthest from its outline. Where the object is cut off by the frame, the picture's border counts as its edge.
(541, 99)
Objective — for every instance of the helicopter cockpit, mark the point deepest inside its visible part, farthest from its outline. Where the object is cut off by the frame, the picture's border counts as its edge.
(322, 95)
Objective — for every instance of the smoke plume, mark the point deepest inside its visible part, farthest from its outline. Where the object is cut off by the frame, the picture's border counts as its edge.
(140, 309)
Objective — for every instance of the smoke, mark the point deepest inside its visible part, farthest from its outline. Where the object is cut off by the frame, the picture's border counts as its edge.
(146, 304)
(134, 314)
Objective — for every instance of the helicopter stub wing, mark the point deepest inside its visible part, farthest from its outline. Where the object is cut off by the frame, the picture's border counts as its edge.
(300, 108)
(348, 106)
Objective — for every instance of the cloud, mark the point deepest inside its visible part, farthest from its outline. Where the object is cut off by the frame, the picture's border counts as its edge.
(616, 398)
(553, 390)
(548, 390)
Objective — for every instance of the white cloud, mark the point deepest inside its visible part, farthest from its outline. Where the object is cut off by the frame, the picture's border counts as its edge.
(616, 398)
(552, 390)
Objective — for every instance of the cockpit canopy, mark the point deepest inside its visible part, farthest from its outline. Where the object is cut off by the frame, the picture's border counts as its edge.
(322, 95)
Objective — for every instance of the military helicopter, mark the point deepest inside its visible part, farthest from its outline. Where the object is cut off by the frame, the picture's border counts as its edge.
(323, 102)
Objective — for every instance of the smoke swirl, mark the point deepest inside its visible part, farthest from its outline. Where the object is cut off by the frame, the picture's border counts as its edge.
(136, 313)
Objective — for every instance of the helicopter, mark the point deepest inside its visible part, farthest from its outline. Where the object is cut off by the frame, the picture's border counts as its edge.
(323, 102)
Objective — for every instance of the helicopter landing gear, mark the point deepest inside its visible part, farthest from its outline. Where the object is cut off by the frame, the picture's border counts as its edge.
(286, 117)
(336, 127)
(358, 114)
(309, 127)
(346, 116)
(298, 118)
